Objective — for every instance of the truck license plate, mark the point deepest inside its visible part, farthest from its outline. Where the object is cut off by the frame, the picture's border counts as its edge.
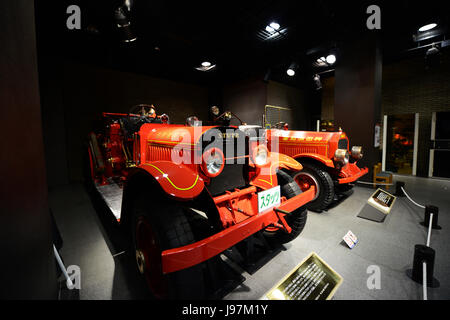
(268, 199)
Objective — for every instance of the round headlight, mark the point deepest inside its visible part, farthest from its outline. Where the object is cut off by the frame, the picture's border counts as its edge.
(213, 162)
(164, 118)
(215, 110)
(341, 156)
(192, 121)
(357, 152)
(261, 155)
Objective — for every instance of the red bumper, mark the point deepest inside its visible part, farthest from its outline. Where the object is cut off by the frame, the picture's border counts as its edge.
(184, 257)
(352, 173)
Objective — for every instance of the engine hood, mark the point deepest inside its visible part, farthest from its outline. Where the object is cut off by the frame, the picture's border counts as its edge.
(305, 136)
(172, 134)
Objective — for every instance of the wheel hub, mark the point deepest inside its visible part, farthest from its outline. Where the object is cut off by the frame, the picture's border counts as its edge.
(305, 180)
(140, 260)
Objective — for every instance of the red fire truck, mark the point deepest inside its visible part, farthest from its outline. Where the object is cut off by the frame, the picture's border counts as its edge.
(328, 163)
(155, 176)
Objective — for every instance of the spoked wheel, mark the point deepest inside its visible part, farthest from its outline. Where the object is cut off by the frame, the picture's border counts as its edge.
(306, 180)
(148, 258)
(157, 228)
(314, 175)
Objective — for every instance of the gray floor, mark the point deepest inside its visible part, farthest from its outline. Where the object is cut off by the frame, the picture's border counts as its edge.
(389, 245)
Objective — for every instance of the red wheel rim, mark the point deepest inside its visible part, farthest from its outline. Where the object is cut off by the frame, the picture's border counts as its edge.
(148, 258)
(91, 164)
(305, 181)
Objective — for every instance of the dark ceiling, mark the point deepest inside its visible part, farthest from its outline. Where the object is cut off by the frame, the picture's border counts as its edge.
(175, 37)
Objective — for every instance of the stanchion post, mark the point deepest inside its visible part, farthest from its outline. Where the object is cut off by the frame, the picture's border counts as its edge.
(398, 189)
(423, 254)
(431, 210)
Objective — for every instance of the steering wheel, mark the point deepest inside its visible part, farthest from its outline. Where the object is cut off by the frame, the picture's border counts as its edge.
(227, 117)
(143, 110)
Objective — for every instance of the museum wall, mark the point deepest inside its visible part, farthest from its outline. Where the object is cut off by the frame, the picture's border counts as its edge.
(87, 91)
(358, 95)
(27, 263)
(281, 95)
(327, 98)
(410, 87)
(247, 99)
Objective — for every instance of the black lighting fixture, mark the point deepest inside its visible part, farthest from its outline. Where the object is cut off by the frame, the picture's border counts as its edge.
(272, 31)
(433, 56)
(431, 29)
(123, 23)
(325, 61)
(317, 82)
(292, 69)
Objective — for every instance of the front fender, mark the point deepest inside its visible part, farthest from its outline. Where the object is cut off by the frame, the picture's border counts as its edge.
(284, 161)
(266, 176)
(177, 180)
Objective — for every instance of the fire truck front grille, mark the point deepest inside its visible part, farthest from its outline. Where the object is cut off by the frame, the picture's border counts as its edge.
(231, 177)
(343, 144)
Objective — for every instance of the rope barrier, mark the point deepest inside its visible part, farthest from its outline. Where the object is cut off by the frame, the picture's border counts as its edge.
(424, 280)
(377, 183)
(429, 230)
(419, 205)
(63, 269)
(424, 264)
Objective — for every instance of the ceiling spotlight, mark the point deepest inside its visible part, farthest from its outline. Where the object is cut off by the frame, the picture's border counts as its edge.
(274, 25)
(427, 27)
(292, 69)
(270, 29)
(128, 4)
(205, 66)
(331, 59)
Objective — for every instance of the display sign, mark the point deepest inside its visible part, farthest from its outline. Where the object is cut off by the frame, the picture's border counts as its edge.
(350, 239)
(312, 279)
(382, 201)
(269, 198)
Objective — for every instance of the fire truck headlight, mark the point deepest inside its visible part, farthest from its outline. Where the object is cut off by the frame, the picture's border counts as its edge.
(213, 162)
(261, 155)
(341, 156)
(357, 152)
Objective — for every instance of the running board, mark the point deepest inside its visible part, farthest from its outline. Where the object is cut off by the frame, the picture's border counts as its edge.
(112, 195)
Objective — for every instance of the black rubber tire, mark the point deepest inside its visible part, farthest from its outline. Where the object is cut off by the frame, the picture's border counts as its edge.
(296, 220)
(172, 230)
(325, 184)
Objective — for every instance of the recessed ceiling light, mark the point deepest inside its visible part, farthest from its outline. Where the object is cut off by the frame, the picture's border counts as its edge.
(205, 66)
(274, 25)
(331, 59)
(427, 27)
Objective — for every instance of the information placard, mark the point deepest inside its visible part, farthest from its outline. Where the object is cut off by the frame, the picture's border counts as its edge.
(350, 239)
(312, 279)
(382, 200)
